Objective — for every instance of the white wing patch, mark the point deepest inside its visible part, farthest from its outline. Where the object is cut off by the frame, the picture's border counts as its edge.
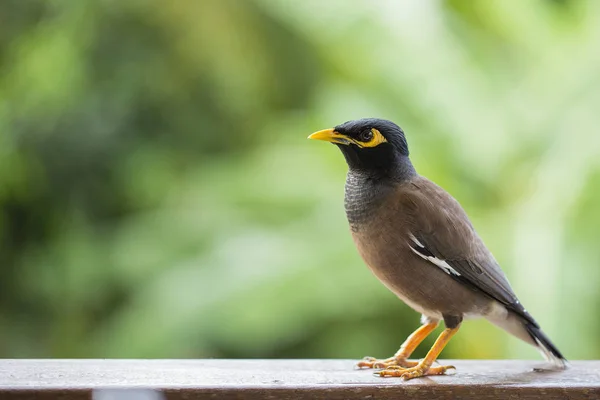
(434, 260)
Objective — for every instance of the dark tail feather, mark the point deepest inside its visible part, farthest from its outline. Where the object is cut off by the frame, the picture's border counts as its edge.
(548, 349)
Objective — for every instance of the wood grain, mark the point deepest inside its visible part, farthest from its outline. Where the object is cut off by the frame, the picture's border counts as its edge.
(284, 379)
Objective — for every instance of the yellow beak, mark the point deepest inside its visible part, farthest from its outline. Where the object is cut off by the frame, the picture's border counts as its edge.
(330, 135)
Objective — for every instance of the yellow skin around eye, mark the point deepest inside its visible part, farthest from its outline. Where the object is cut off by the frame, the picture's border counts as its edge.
(330, 135)
(375, 141)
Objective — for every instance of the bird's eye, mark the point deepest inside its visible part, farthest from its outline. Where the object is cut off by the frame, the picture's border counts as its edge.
(366, 136)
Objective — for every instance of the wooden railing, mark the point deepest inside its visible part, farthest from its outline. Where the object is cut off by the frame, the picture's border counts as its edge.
(284, 379)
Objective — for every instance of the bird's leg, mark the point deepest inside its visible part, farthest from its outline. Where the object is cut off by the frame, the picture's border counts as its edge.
(424, 367)
(407, 348)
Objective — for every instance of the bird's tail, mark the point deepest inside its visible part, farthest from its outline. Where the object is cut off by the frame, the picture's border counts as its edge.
(530, 332)
(546, 347)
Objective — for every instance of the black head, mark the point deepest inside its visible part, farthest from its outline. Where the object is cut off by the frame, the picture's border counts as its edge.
(372, 145)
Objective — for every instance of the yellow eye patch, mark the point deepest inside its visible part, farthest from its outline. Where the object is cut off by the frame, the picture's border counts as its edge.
(370, 138)
(376, 140)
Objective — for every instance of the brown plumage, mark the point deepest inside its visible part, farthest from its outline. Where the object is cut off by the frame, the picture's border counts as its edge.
(419, 242)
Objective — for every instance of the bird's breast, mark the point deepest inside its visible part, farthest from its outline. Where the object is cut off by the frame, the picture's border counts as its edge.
(379, 228)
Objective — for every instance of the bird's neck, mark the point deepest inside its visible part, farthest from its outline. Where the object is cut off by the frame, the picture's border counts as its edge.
(366, 190)
(379, 164)
(382, 168)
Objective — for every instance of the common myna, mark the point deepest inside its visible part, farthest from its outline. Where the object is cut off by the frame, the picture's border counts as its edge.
(417, 239)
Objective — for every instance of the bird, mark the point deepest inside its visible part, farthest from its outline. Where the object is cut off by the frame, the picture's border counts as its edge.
(419, 242)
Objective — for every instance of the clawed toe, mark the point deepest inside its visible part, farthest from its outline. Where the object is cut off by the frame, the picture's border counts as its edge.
(367, 362)
(414, 372)
(370, 362)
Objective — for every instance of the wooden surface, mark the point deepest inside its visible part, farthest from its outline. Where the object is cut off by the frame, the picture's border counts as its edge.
(284, 379)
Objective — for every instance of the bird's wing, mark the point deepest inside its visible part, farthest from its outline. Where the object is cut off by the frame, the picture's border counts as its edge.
(441, 233)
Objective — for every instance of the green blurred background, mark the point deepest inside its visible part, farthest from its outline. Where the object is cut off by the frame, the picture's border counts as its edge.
(158, 196)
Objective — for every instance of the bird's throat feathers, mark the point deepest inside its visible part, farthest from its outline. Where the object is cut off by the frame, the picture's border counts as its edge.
(364, 194)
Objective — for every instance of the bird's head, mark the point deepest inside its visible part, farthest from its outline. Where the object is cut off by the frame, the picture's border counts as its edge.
(371, 145)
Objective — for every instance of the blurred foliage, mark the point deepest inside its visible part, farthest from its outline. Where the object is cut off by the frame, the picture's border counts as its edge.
(158, 197)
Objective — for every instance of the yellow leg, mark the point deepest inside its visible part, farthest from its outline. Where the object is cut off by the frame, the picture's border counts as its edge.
(424, 368)
(407, 348)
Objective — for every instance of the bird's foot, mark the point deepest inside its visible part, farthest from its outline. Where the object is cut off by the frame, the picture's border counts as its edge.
(414, 372)
(371, 362)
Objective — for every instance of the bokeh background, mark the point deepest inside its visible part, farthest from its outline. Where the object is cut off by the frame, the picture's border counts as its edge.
(158, 196)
